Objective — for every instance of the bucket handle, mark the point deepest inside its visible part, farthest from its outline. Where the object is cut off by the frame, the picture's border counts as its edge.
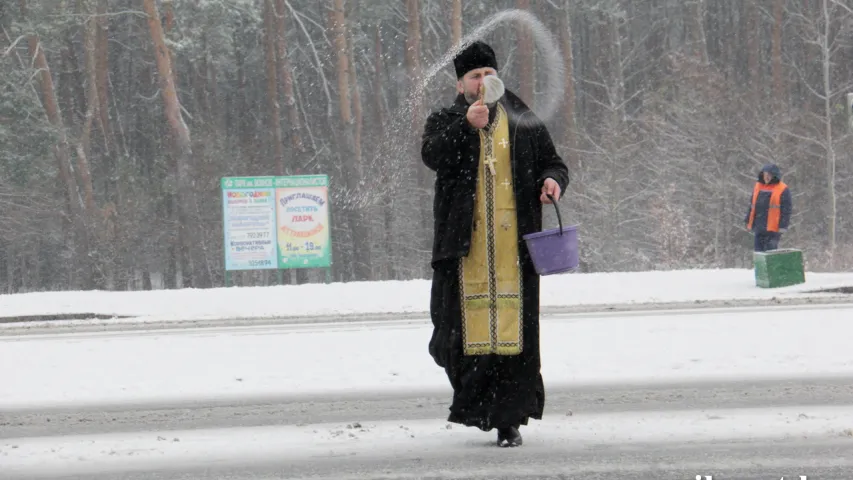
(559, 218)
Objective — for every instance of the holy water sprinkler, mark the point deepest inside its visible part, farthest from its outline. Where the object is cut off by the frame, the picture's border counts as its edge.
(492, 89)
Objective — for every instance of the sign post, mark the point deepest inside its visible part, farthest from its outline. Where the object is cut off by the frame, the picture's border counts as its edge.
(276, 223)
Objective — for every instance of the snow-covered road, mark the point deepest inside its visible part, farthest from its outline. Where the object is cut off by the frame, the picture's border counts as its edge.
(699, 392)
(729, 429)
(41, 371)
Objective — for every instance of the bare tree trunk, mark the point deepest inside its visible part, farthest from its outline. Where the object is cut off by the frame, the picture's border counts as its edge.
(272, 85)
(525, 57)
(617, 73)
(351, 169)
(778, 85)
(456, 22)
(421, 172)
(197, 275)
(753, 54)
(390, 252)
(65, 94)
(809, 63)
(242, 114)
(100, 237)
(62, 151)
(338, 17)
(90, 32)
(286, 74)
(358, 116)
(168, 23)
(378, 84)
(217, 107)
(358, 128)
(695, 20)
(826, 57)
(79, 81)
(413, 51)
(4, 274)
(102, 69)
(285, 68)
(571, 134)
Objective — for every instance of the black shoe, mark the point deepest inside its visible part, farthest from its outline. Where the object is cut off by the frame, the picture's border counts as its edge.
(509, 437)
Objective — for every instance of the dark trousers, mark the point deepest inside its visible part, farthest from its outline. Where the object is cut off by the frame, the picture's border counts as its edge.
(765, 241)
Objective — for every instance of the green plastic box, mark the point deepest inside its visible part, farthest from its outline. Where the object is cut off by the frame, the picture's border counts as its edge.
(779, 268)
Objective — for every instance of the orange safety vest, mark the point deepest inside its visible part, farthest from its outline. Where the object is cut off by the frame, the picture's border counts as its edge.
(775, 212)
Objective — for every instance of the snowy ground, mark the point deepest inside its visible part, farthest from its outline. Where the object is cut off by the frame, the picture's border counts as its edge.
(46, 371)
(340, 359)
(595, 289)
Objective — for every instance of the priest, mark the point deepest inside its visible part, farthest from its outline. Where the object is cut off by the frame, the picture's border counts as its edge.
(495, 165)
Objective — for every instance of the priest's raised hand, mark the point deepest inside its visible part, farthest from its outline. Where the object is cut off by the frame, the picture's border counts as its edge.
(478, 114)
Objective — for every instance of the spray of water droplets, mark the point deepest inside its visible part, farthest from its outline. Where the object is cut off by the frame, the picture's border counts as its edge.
(553, 66)
(389, 171)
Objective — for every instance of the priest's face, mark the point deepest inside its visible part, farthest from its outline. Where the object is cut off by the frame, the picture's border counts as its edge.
(470, 83)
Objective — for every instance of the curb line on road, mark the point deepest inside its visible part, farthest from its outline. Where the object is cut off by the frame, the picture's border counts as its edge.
(118, 323)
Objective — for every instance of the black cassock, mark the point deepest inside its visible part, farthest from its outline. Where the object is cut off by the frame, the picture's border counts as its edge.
(489, 391)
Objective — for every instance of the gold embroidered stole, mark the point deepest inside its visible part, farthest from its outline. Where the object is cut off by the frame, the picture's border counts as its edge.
(491, 278)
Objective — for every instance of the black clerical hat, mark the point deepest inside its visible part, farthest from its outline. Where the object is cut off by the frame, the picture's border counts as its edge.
(475, 55)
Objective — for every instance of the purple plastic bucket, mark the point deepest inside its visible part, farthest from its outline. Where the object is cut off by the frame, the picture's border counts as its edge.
(554, 251)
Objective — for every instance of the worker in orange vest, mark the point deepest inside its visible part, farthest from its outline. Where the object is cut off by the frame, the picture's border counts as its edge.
(770, 211)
